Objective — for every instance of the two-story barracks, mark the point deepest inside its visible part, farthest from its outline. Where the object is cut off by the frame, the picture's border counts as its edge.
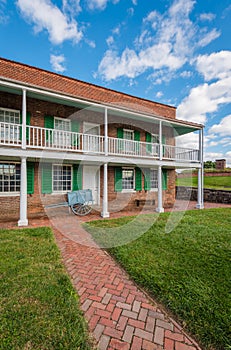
(59, 134)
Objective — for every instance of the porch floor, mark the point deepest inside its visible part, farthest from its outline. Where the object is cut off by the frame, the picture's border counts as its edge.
(119, 314)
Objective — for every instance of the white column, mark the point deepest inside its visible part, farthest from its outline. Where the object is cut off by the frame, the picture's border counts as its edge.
(105, 132)
(200, 189)
(160, 208)
(23, 119)
(105, 213)
(23, 194)
(160, 141)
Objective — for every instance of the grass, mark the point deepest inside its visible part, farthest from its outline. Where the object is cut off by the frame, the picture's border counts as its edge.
(188, 269)
(39, 308)
(214, 182)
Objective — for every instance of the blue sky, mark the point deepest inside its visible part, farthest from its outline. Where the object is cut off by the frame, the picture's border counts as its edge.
(176, 52)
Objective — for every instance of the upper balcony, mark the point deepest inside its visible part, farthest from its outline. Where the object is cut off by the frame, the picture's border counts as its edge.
(87, 143)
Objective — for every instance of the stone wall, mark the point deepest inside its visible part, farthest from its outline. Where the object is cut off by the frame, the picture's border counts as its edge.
(210, 195)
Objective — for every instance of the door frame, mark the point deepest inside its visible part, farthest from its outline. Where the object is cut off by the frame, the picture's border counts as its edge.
(97, 173)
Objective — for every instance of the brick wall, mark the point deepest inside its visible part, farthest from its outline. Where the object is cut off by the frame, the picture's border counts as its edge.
(128, 201)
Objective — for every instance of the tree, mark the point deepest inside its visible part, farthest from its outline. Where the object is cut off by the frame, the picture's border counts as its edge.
(209, 164)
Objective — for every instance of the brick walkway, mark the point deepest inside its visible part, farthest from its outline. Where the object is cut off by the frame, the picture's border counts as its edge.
(119, 314)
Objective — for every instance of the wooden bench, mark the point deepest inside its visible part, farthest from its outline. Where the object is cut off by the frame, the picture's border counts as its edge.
(139, 202)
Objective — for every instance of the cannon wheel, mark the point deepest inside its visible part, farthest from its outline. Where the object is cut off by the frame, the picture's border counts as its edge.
(81, 209)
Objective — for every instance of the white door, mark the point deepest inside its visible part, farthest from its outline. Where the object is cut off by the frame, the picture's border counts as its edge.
(90, 139)
(91, 181)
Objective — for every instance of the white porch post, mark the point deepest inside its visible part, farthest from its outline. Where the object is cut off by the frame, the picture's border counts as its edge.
(105, 213)
(200, 190)
(160, 208)
(23, 194)
(105, 132)
(23, 119)
(160, 141)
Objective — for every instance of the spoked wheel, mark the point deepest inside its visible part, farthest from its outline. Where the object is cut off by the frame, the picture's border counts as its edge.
(81, 209)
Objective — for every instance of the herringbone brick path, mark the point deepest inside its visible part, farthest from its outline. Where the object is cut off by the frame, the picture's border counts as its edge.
(119, 315)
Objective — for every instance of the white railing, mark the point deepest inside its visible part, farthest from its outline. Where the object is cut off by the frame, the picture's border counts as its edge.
(179, 153)
(10, 134)
(122, 147)
(43, 138)
(64, 140)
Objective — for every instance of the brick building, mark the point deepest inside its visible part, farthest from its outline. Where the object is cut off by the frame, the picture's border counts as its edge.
(60, 134)
(220, 164)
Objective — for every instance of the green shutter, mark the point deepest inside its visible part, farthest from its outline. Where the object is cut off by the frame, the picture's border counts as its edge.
(118, 179)
(46, 178)
(147, 180)
(27, 123)
(120, 135)
(148, 139)
(77, 177)
(138, 179)
(163, 142)
(49, 124)
(164, 179)
(30, 178)
(137, 138)
(75, 128)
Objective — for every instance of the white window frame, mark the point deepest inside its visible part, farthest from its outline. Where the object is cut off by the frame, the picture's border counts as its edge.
(154, 189)
(124, 190)
(10, 133)
(11, 193)
(129, 147)
(65, 139)
(71, 181)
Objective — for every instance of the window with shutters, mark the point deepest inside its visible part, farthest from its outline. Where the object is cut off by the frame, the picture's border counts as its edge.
(9, 178)
(7, 130)
(128, 179)
(153, 179)
(62, 178)
(62, 137)
(128, 136)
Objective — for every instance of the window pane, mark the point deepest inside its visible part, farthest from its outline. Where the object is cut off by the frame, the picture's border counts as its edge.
(128, 179)
(154, 178)
(9, 177)
(62, 177)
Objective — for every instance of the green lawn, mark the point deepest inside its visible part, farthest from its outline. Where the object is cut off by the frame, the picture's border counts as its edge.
(188, 269)
(215, 182)
(39, 308)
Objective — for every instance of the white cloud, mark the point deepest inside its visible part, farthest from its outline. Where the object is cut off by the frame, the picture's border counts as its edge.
(110, 40)
(57, 63)
(186, 74)
(204, 99)
(188, 141)
(71, 6)
(47, 16)
(207, 98)
(167, 40)
(223, 128)
(159, 94)
(214, 66)
(134, 2)
(91, 43)
(207, 16)
(213, 156)
(209, 37)
(99, 4)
